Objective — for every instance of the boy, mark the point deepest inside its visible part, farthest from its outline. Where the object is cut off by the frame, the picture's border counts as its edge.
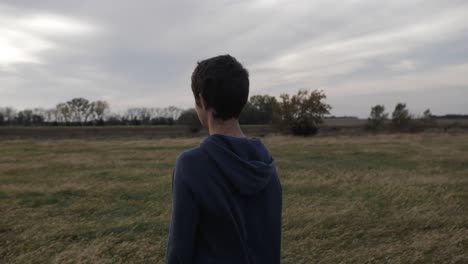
(227, 196)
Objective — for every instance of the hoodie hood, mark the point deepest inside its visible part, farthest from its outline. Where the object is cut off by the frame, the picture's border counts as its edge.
(245, 162)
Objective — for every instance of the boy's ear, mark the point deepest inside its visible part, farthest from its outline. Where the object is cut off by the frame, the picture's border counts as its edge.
(203, 102)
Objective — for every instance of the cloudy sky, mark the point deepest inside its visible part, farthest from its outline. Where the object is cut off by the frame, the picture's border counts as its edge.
(141, 53)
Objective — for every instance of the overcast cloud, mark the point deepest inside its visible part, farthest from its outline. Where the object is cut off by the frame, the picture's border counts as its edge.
(141, 53)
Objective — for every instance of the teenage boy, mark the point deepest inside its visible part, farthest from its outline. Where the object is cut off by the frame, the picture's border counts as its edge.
(227, 197)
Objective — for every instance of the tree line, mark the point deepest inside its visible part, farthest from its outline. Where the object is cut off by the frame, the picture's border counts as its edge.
(301, 113)
(400, 120)
(82, 112)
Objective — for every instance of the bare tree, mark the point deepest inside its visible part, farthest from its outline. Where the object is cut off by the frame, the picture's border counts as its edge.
(51, 115)
(172, 112)
(99, 109)
(25, 117)
(377, 118)
(9, 114)
(80, 110)
(63, 113)
(401, 116)
(427, 118)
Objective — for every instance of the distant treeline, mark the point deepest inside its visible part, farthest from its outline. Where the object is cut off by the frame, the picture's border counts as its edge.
(82, 112)
(301, 114)
(451, 116)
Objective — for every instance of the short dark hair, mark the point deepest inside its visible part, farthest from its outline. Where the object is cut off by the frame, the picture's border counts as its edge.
(224, 84)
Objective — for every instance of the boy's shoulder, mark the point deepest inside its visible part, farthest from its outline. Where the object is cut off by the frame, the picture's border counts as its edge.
(189, 164)
(191, 157)
(190, 154)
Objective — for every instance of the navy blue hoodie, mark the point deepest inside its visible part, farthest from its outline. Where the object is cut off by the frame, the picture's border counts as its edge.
(227, 203)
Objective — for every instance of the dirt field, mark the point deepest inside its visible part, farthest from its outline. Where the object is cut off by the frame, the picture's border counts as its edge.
(382, 199)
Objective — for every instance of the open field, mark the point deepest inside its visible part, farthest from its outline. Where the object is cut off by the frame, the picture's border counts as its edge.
(114, 132)
(383, 199)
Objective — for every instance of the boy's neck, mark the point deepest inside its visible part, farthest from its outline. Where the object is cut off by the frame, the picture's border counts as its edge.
(229, 127)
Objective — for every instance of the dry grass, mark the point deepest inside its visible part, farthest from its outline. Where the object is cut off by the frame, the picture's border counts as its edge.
(384, 199)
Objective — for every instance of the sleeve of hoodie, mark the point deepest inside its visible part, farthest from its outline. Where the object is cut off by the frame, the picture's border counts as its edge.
(184, 221)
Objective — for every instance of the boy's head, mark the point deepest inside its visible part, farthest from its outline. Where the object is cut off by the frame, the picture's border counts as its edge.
(221, 86)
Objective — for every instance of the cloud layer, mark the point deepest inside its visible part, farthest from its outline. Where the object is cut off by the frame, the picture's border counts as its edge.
(142, 53)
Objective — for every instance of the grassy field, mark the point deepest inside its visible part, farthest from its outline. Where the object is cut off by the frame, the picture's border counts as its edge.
(383, 199)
